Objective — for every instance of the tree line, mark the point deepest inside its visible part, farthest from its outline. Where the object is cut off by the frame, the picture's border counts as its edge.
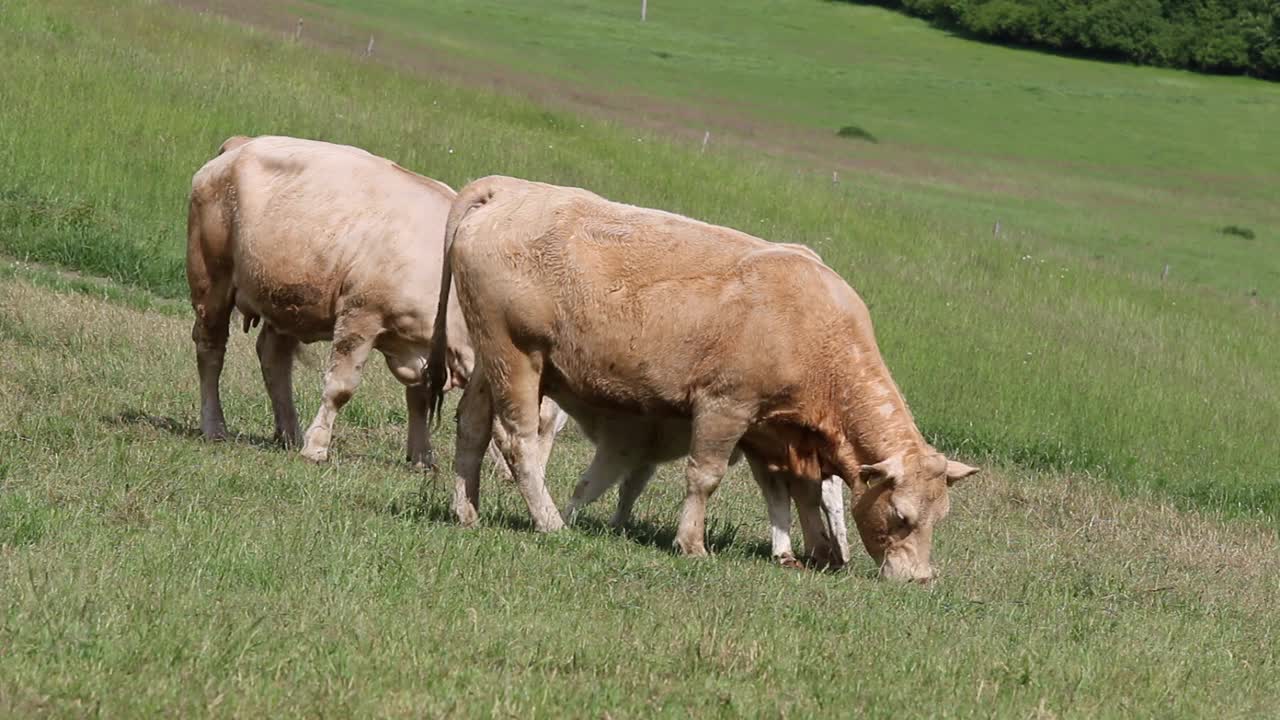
(1218, 36)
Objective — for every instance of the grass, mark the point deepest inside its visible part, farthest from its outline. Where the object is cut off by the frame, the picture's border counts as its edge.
(1137, 166)
(146, 572)
(1119, 557)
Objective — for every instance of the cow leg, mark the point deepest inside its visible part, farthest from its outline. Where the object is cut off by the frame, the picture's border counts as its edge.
(418, 449)
(495, 455)
(777, 500)
(213, 317)
(275, 355)
(352, 342)
(821, 514)
(498, 454)
(518, 405)
(551, 420)
(606, 469)
(632, 485)
(833, 514)
(475, 428)
(714, 438)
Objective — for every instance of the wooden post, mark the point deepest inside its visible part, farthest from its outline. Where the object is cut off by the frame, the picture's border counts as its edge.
(368, 52)
(297, 33)
(835, 177)
(995, 230)
(644, 9)
(705, 138)
(1165, 275)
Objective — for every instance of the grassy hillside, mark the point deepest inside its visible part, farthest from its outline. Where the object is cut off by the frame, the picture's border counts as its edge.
(144, 572)
(1029, 357)
(1132, 167)
(1118, 557)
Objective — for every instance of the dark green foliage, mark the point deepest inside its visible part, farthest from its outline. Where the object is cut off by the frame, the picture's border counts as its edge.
(1238, 231)
(855, 132)
(1221, 36)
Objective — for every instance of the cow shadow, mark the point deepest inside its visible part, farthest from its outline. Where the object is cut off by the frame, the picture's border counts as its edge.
(720, 536)
(137, 418)
(430, 503)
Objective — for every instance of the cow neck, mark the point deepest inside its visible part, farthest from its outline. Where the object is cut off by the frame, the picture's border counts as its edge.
(877, 421)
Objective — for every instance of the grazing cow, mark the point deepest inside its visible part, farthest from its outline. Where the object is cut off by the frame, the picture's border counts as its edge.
(614, 308)
(319, 242)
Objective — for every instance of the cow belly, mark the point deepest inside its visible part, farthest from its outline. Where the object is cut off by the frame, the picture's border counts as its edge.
(291, 308)
(654, 438)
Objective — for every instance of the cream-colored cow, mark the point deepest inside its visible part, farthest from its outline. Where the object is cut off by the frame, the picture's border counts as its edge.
(611, 308)
(320, 242)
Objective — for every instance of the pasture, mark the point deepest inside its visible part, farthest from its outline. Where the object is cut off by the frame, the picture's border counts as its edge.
(1118, 556)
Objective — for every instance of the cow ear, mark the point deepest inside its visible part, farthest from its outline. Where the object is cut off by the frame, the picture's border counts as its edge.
(957, 471)
(887, 471)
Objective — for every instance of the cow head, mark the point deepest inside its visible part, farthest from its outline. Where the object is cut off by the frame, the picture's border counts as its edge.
(896, 504)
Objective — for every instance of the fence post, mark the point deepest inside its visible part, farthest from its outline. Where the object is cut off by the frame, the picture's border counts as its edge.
(644, 9)
(705, 138)
(297, 33)
(368, 52)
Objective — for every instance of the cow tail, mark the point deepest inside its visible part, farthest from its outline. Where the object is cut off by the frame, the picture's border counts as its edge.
(474, 195)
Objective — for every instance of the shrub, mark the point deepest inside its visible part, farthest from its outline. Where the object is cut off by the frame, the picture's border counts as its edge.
(1221, 36)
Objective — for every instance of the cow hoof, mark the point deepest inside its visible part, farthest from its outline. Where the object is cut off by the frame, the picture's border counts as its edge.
(691, 550)
(467, 516)
(825, 561)
(551, 524)
(215, 435)
(286, 440)
(789, 561)
(315, 455)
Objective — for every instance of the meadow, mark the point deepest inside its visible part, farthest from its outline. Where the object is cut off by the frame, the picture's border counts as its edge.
(1130, 168)
(1118, 556)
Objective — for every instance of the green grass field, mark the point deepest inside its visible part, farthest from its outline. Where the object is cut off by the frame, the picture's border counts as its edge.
(1133, 167)
(1118, 558)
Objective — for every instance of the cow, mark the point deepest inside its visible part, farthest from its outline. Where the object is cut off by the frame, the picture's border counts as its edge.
(318, 241)
(742, 343)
